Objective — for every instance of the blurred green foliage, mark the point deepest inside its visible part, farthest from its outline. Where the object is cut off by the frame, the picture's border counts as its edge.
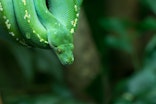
(113, 34)
(127, 76)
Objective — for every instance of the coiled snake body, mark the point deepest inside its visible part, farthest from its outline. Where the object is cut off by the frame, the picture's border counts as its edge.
(42, 23)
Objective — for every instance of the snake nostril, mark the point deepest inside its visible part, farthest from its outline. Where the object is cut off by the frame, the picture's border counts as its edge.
(70, 60)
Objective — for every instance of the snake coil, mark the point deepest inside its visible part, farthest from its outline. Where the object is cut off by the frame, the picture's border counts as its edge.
(42, 24)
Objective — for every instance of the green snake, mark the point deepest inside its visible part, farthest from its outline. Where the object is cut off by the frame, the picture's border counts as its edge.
(43, 24)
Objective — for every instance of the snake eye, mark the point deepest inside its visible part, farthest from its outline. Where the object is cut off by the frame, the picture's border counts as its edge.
(59, 51)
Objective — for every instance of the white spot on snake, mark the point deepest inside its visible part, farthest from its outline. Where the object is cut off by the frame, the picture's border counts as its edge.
(74, 22)
(1, 8)
(77, 15)
(27, 15)
(72, 31)
(41, 40)
(28, 21)
(46, 42)
(7, 24)
(76, 8)
(24, 2)
(11, 33)
(34, 31)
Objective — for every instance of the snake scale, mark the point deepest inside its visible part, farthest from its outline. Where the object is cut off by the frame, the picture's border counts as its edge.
(47, 24)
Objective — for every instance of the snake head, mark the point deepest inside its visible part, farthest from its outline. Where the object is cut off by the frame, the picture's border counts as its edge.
(65, 53)
(62, 43)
